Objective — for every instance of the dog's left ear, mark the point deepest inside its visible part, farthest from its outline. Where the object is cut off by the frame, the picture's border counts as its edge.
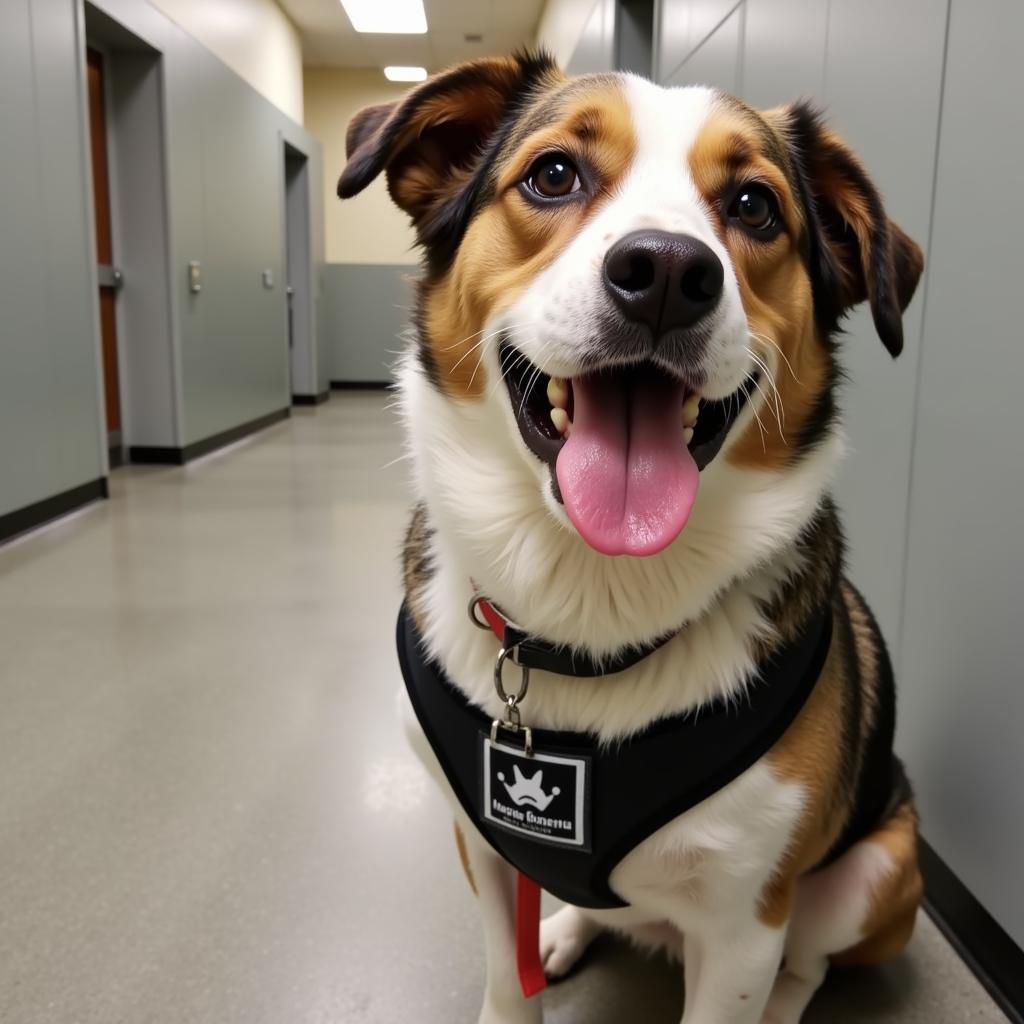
(857, 253)
(431, 144)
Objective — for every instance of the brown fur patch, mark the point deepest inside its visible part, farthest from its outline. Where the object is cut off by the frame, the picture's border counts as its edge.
(736, 147)
(467, 868)
(823, 751)
(512, 239)
(893, 906)
(809, 753)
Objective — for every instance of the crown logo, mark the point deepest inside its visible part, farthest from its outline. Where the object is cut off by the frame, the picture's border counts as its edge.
(529, 791)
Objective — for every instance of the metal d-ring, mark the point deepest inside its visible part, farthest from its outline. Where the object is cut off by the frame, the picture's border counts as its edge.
(510, 700)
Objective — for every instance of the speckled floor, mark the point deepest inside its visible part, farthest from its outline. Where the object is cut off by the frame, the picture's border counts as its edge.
(207, 813)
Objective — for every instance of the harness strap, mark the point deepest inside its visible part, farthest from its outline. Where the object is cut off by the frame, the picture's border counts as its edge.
(532, 652)
(637, 785)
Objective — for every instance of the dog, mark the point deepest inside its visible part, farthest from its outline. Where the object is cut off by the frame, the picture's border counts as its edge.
(620, 404)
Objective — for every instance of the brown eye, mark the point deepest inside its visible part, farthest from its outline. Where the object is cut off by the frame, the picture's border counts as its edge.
(757, 211)
(553, 177)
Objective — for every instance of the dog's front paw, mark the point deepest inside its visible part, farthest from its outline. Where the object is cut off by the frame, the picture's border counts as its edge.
(564, 937)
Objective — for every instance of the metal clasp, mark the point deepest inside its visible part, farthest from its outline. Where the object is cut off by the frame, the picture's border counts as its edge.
(513, 721)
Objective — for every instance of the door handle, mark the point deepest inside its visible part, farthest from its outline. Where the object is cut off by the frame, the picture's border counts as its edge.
(109, 277)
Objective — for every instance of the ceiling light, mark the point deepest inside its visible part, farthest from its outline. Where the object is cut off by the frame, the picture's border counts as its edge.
(392, 16)
(403, 74)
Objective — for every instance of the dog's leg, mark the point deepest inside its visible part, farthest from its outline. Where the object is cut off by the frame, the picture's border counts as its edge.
(859, 910)
(493, 880)
(564, 937)
(729, 979)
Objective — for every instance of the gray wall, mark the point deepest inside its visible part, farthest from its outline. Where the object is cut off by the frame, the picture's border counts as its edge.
(225, 174)
(51, 437)
(595, 50)
(366, 307)
(222, 358)
(962, 689)
(931, 489)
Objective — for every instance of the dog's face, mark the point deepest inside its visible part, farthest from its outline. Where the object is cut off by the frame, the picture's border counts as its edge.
(624, 325)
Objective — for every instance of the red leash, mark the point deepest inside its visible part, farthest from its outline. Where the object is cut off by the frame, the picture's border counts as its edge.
(531, 970)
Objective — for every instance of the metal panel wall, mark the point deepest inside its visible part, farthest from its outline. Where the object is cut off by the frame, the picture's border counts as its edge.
(784, 50)
(682, 26)
(235, 350)
(715, 61)
(931, 492)
(595, 50)
(50, 429)
(883, 82)
(225, 172)
(963, 698)
(365, 308)
(222, 147)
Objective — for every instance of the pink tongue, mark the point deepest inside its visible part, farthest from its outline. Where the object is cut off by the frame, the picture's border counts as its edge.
(626, 476)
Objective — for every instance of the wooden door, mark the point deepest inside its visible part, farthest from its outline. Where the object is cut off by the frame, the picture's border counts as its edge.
(104, 240)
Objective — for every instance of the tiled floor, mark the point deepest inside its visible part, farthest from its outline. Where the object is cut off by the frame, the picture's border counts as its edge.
(207, 813)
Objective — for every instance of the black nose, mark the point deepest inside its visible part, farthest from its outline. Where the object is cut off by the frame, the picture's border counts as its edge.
(662, 279)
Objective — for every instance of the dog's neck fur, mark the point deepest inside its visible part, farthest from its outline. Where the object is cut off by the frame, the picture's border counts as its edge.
(773, 555)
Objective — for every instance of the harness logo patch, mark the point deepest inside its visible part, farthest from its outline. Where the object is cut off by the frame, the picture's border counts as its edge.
(544, 797)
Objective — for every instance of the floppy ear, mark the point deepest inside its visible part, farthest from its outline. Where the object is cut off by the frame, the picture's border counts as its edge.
(432, 143)
(858, 253)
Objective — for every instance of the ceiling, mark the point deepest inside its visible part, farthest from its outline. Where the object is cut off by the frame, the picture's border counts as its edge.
(328, 39)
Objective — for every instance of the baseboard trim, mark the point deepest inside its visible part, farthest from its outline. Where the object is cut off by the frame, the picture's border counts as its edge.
(996, 960)
(179, 456)
(21, 520)
(318, 399)
(359, 385)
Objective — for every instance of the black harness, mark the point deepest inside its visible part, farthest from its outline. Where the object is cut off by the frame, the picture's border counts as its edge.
(567, 814)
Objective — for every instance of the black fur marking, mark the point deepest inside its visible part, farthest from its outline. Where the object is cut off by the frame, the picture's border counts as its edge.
(852, 679)
(447, 228)
(826, 278)
(887, 287)
(882, 785)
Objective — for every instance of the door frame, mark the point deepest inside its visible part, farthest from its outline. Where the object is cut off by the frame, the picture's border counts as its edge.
(146, 322)
(301, 391)
(103, 50)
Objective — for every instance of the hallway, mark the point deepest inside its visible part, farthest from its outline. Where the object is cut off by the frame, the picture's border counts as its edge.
(207, 812)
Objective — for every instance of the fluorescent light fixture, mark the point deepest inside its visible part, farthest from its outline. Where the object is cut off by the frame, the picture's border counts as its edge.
(392, 16)
(403, 74)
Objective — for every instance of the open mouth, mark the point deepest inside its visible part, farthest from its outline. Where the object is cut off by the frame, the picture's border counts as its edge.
(625, 446)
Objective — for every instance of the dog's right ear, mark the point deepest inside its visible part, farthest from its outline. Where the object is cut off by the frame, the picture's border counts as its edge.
(431, 142)
(861, 253)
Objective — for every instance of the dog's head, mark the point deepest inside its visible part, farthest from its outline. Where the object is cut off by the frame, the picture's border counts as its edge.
(624, 326)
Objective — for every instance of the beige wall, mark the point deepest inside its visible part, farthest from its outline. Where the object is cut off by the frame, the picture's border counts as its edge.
(255, 38)
(368, 228)
(561, 27)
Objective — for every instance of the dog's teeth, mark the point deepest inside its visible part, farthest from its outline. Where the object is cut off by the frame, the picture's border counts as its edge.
(560, 418)
(558, 393)
(691, 408)
(687, 434)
